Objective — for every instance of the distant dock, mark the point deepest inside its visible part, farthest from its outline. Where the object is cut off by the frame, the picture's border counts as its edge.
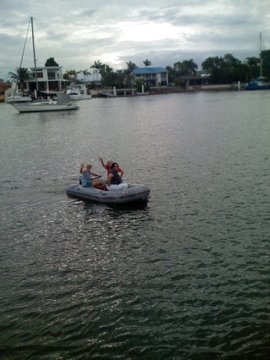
(110, 93)
(116, 92)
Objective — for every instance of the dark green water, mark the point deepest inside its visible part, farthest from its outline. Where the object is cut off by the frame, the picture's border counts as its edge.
(184, 277)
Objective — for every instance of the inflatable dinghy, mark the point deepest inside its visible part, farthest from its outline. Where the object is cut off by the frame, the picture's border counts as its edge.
(133, 193)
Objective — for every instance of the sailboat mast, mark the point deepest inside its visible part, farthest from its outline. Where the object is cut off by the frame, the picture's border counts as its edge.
(34, 53)
(260, 54)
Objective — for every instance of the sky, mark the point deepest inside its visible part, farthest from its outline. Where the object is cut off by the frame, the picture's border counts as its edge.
(76, 33)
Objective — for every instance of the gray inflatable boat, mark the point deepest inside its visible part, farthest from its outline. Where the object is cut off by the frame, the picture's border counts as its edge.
(133, 193)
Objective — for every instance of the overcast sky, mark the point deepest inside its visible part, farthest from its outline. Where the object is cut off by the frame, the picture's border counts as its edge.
(79, 32)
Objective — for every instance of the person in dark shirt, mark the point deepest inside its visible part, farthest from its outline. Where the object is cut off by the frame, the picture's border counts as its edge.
(114, 180)
(108, 166)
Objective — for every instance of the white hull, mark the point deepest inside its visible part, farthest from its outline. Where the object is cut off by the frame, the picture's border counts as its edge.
(78, 92)
(42, 107)
(80, 97)
(17, 99)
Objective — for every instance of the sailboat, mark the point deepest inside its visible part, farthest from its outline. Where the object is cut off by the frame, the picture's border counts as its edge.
(63, 103)
(261, 83)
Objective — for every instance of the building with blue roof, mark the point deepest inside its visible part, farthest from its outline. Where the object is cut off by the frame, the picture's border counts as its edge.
(151, 76)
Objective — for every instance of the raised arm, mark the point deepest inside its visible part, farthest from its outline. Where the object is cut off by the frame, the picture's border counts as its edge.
(102, 162)
(82, 167)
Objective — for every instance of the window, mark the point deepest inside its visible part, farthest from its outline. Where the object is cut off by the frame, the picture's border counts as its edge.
(51, 75)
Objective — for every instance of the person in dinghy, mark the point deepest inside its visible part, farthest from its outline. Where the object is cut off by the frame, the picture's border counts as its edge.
(86, 178)
(107, 166)
(114, 180)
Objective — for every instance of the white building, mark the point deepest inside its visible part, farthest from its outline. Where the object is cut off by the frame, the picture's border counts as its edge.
(92, 77)
(49, 78)
(152, 76)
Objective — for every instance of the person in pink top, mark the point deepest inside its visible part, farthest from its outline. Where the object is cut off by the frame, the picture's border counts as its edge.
(108, 165)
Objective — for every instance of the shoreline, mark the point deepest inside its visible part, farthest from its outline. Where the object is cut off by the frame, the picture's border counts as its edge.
(164, 91)
(173, 90)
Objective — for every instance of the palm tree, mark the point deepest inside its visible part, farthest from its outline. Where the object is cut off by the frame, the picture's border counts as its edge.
(130, 66)
(128, 73)
(190, 66)
(86, 72)
(147, 62)
(97, 66)
(20, 76)
(107, 75)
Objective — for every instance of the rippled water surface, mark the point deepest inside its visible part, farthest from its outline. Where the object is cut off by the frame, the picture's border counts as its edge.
(184, 277)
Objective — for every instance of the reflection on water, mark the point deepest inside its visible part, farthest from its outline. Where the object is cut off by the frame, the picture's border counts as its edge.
(185, 276)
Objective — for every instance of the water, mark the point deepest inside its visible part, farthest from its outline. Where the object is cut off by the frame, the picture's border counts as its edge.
(184, 277)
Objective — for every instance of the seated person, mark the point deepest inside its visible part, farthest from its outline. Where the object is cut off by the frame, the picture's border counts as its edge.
(108, 165)
(114, 180)
(86, 178)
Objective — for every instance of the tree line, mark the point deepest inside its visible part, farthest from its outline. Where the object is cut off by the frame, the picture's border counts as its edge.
(220, 70)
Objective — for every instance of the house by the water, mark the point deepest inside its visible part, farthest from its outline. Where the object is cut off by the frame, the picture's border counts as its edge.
(156, 77)
(47, 78)
(151, 76)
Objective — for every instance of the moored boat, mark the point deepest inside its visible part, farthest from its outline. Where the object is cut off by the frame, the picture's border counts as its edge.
(64, 103)
(261, 83)
(133, 193)
(78, 92)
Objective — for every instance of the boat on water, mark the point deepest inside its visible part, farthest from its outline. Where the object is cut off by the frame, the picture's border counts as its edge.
(41, 100)
(132, 194)
(78, 92)
(261, 83)
(63, 103)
